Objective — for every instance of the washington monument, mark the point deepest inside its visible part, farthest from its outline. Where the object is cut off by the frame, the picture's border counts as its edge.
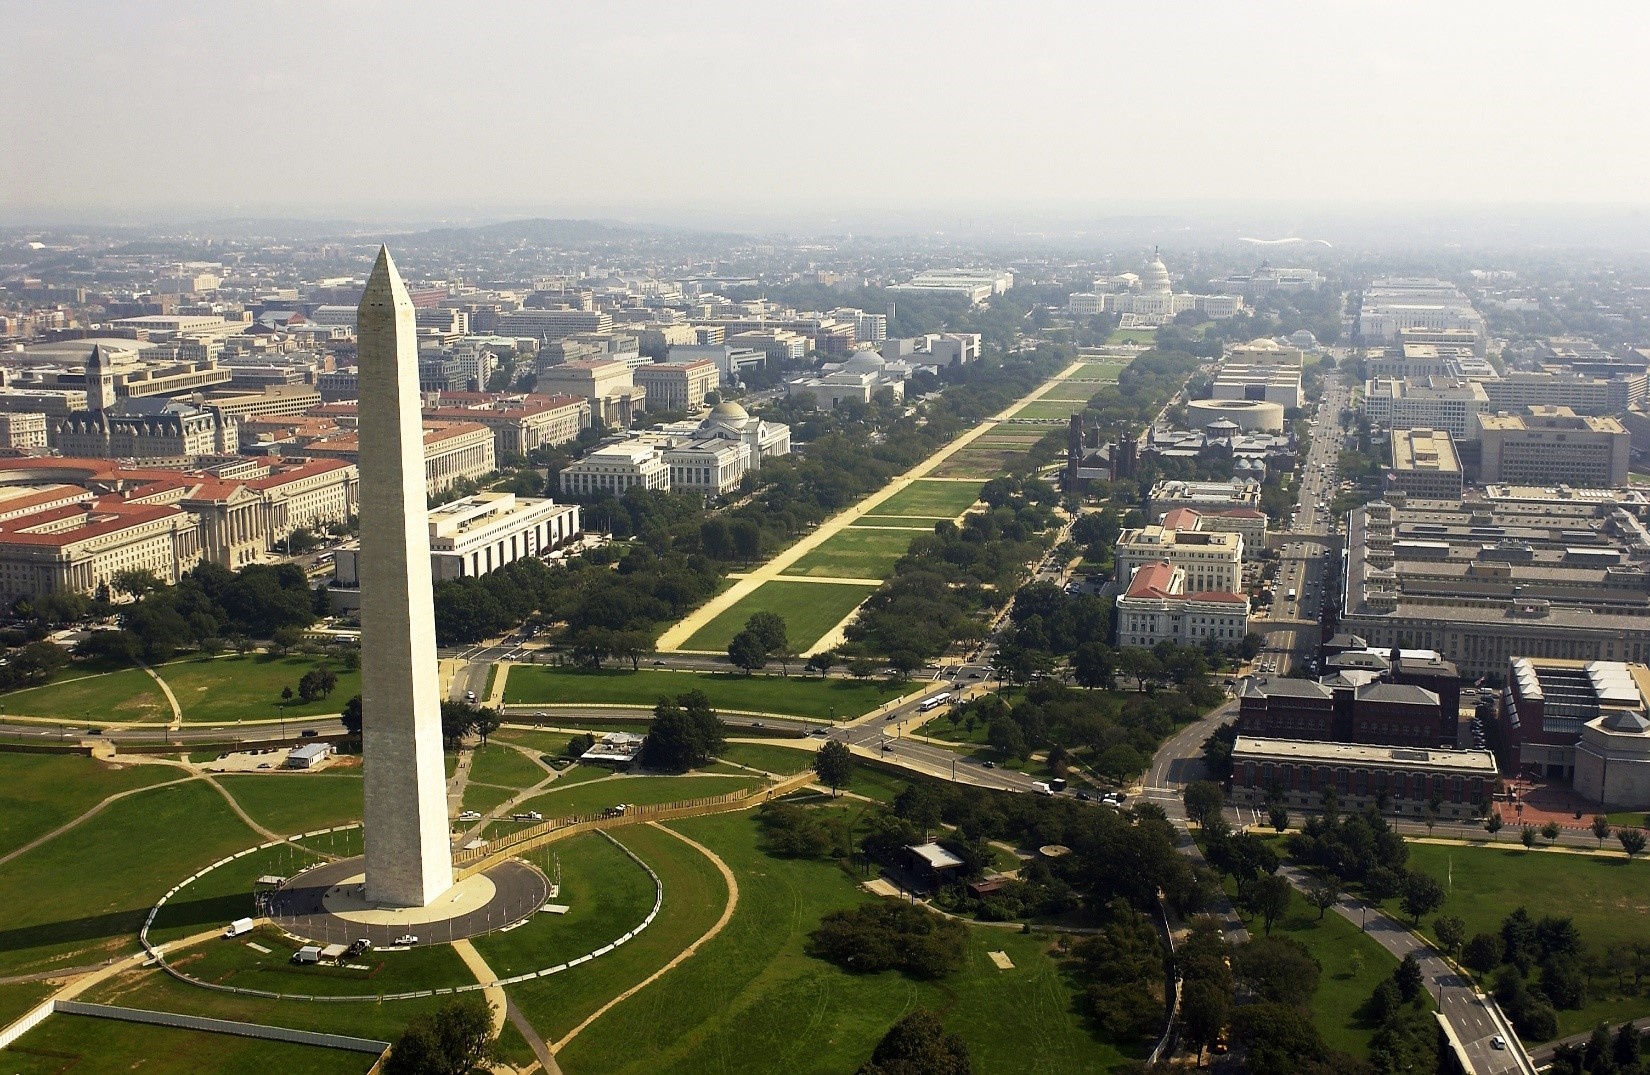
(409, 862)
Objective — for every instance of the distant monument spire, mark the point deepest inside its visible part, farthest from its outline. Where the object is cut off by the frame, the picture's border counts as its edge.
(408, 857)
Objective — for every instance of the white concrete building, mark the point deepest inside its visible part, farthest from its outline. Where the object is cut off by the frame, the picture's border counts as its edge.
(616, 469)
(708, 467)
(479, 534)
(1173, 493)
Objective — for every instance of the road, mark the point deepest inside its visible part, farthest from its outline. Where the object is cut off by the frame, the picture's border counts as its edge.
(1475, 1021)
(1291, 628)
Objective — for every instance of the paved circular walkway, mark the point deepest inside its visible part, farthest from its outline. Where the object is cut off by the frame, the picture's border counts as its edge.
(323, 904)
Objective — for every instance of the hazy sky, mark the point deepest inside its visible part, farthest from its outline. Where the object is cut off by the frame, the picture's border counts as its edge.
(134, 107)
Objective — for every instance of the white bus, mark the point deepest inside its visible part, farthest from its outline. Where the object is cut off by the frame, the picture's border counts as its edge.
(933, 703)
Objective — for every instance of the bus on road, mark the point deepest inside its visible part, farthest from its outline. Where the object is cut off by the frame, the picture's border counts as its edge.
(933, 703)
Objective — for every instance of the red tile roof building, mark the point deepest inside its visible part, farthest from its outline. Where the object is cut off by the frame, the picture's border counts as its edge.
(1156, 608)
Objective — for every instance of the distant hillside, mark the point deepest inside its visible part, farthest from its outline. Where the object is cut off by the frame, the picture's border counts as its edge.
(538, 230)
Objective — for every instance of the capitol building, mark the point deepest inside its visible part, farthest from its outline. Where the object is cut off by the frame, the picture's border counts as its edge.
(1149, 299)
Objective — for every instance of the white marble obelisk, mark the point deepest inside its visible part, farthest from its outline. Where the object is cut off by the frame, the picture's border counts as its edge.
(409, 860)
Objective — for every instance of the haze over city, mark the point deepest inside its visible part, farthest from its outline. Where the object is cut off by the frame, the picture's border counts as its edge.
(836, 116)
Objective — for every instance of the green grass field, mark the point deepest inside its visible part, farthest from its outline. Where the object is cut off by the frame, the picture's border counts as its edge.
(854, 554)
(1080, 391)
(486, 797)
(936, 500)
(496, 764)
(155, 990)
(607, 892)
(769, 759)
(82, 896)
(229, 688)
(1099, 371)
(551, 743)
(1049, 410)
(39, 792)
(106, 1046)
(794, 696)
(694, 897)
(18, 998)
(1608, 899)
(291, 803)
(1332, 941)
(893, 522)
(1132, 335)
(753, 1001)
(128, 695)
(809, 609)
(234, 962)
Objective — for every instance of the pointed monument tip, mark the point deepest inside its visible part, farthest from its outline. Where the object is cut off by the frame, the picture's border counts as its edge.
(384, 277)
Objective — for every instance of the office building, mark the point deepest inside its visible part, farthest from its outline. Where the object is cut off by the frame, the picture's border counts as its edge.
(79, 547)
(1483, 582)
(1583, 721)
(1394, 304)
(1249, 523)
(608, 385)
(452, 451)
(1424, 465)
(1443, 403)
(1211, 560)
(974, 285)
(1553, 444)
(730, 361)
(476, 535)
(1158, 606)
(551, 324)
(23, 430)
(1395, 779)
(1173, 493)
(1582, 394)
(677, 386)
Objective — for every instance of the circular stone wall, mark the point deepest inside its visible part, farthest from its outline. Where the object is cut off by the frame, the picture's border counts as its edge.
(1251, 415)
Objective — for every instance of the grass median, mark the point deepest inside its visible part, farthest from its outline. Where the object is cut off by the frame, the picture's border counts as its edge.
(854, 554)
(809, 609)
(784, 696)
(933, 499)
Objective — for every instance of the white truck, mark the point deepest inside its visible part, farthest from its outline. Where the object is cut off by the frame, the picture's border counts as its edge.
(238, 927)
(1041, 788)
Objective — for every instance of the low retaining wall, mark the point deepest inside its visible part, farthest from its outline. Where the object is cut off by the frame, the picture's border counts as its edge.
(33, 1019)
(223, 1026)
(10, 747)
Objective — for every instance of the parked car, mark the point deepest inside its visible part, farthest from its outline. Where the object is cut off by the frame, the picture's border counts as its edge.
(407, 940)
(469, 815)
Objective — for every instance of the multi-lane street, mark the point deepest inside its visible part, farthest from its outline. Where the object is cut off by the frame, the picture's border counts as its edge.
(1291, 627)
